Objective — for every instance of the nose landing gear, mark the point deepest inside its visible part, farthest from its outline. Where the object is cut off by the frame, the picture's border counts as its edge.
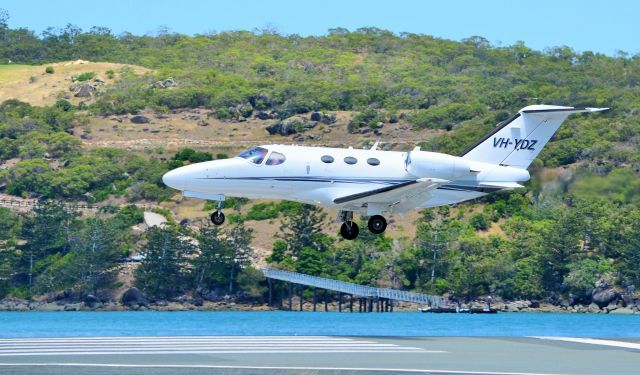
(218, 217)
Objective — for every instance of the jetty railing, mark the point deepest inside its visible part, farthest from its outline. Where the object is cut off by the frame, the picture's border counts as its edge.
(353, 289)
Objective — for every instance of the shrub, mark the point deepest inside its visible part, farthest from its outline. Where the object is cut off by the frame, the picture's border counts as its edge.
(479, 222)
(49, 70)
(110, 74)
(63, 105)
(246, 110)
(369, 117)
(444, 116)
(193, 156)
(263, 211)
(130, 215)
(222, 114)
(85, 76)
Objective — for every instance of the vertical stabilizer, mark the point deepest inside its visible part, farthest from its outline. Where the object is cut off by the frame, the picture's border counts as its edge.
(517, 141)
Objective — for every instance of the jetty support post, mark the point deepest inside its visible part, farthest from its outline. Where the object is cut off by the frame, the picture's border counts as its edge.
(351, 303)
(301, 296)
(290, 296)
(325, 301)
(315, 300)
(270, 292)
(339, 301)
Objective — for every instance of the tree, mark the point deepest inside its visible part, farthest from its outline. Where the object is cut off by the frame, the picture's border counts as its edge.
(239, 239)
(4, 19)
(47, 229)
(304, 229)
(163, 270)
(209, 267)
(96, 253)
(9, 224)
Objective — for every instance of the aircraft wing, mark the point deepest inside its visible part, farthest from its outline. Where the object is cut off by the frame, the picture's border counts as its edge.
(397, 198)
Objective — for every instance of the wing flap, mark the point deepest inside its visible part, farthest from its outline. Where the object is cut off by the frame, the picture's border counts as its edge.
(399, 195)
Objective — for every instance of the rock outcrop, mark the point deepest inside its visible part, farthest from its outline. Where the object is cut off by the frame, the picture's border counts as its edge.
(139, 119)
(134, 298)
(165, 83)
(603, 295)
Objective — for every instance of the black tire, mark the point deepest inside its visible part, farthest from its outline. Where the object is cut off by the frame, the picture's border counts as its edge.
(349, 230)
(377, 224)
(217, 218)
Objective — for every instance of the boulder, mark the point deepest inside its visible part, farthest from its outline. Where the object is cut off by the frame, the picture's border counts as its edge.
(92, 301)
(611, 307)
(210, 295)
(134, 297)
(534, 304)
(85, 91)
(166, 83)
(73, 307)
(603, 297)
(316, 116)
(593, 308)
(75, 86)
(328, 118)
(281, 128)
(627, 300)
(264, 115)
(198, 301)
(393, 119)
(139, 119)
(169, 82)
(311, 125)
(622, 311)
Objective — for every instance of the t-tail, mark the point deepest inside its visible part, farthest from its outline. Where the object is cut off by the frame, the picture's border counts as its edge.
(517, 141)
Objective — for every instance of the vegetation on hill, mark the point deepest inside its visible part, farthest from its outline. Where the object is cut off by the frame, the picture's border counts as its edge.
(572, 227)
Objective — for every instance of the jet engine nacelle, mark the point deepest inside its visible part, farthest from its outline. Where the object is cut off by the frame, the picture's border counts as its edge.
(425, 164)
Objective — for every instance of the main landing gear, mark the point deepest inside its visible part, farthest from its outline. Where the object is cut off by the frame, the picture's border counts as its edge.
(377, 224)
(218, 217)
(349, 229)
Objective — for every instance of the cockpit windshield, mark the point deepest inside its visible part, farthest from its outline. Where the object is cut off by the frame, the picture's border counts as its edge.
(255, 155)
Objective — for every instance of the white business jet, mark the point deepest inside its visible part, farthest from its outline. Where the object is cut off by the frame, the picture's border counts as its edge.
(373, 182)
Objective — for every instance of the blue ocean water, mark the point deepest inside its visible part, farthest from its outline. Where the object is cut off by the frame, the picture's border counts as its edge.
(155, 323)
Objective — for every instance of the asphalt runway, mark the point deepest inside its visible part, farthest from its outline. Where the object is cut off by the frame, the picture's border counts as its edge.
(318, 355)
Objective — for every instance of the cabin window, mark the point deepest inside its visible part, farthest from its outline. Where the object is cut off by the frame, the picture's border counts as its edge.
(275, 158)
(373, 161)
(350, 160)
(255, 155)
(327, 159)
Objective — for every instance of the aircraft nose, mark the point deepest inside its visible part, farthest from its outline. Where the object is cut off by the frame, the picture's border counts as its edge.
(174, 178)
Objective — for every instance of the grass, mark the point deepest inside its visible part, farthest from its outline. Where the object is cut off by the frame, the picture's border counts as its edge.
(9, 72)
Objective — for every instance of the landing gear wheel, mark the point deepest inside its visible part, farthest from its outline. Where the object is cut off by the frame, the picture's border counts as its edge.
(217, 218)
(349, 230)
(377, 224)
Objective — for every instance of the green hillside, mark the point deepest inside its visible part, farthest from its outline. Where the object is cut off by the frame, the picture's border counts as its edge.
(575, 225)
